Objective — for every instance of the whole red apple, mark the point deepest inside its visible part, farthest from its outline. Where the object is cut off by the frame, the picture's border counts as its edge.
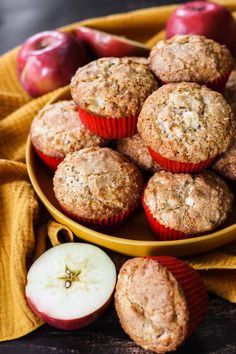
(48, 60)
(102, 44)
(71, 285)
(204, 18)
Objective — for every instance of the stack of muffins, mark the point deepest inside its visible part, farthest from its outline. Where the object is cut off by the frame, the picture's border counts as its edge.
(169, 120)
(167, 117)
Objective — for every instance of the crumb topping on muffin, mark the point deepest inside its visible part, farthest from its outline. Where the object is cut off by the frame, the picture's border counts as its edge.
(135, 149)
(186, 122)
(57, 130)
(190, 58)
(151, 305)
(113, 87)
(97, 183)
(192, 204)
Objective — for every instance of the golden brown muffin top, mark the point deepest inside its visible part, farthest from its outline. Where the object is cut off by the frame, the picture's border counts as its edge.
(226, 163)
(136, 150)
(190, 58)
(113, 87)
(186, 122)
(193, 204)
(151, 305)
(230, 91)
(97, 183)
(57, 130)
(140, 60)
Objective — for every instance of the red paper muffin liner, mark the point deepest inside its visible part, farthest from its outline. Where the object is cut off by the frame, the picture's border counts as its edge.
(106, 224)
(193, 287)
(51, 162)
(220, 83)
(109, 128)
(179, 167)
(162, 232)
(216, 85)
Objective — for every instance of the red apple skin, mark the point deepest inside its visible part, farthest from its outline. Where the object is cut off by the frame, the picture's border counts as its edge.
(204, 18)
(103, 44)
(48, 60)
(70, 324)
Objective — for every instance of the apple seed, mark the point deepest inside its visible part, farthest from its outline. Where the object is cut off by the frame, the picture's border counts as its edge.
(70, 277)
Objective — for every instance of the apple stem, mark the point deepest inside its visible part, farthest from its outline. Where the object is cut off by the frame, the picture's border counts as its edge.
(70, 277)
(43, 45)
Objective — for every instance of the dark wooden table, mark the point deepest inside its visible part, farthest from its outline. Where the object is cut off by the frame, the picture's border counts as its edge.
(217, 335)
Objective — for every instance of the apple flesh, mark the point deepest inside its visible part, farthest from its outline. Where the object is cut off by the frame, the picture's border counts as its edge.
(71, 285)
(48, 60)
(101, 44)
(204, 18)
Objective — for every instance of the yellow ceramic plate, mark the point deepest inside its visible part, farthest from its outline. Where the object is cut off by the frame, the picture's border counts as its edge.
(133, 239)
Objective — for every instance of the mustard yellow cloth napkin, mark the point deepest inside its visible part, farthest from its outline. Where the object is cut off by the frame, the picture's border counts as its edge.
(25, 224)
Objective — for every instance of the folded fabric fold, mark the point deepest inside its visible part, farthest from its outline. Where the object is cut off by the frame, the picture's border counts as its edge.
(23, 230)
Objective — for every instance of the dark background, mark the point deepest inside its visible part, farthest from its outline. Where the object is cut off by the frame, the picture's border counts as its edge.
(20, 19)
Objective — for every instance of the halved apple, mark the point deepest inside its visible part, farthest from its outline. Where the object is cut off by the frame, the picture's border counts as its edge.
(103, 44)
(71, 285)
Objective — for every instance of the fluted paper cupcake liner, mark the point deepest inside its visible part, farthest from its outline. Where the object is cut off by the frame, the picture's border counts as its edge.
(105, 224)
(193, 287)
(179, 167)
(109, 128)
(51, 162)
(162, 232)
(220, 83)
(215, 85)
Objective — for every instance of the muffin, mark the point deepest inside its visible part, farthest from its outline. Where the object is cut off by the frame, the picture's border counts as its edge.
(180, 206)
(110, 92)
(186, 126)
(98, 187)
(135, 149)
(191, 58)
(230, 91)
(57, 130)
(226, 163)
(160, 301)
